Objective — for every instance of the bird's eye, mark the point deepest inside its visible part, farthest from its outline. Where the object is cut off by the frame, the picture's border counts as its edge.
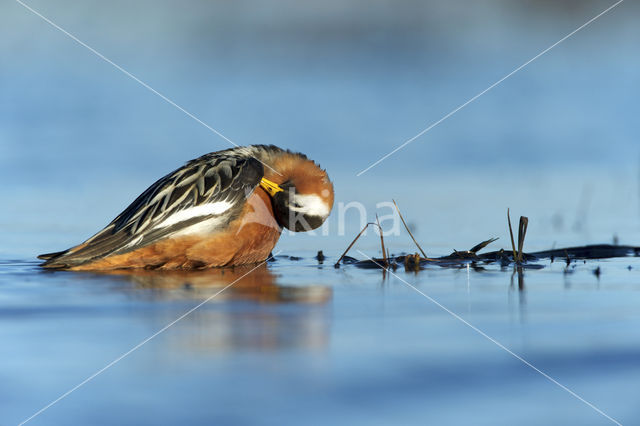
(296, 205)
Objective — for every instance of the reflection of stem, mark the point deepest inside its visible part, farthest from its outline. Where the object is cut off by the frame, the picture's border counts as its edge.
(520, 278)
(384, 254)
(518, 270)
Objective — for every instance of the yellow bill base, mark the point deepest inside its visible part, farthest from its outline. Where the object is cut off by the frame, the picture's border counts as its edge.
(271, 187)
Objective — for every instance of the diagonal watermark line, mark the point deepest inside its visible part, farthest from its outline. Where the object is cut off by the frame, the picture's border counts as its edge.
(124, 71)
(133, 77)
(139, 345)
(431, 126)
(500, 345)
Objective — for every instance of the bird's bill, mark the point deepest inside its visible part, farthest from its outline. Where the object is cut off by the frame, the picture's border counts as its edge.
(271, 187)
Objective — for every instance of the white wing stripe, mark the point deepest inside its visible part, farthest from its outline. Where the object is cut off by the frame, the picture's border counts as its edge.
(208, 209)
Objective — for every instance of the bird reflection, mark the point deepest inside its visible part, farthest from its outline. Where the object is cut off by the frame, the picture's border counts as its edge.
(254, 312)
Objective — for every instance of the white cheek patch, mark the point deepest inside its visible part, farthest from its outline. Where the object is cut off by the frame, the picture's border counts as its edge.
(311, 205)
(208, 209)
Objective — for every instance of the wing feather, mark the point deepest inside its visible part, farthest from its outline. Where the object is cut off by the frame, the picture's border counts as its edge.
(216, 177)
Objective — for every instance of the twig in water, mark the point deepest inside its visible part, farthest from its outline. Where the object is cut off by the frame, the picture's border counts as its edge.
(513, 244)
(337, 264)
(407, 228)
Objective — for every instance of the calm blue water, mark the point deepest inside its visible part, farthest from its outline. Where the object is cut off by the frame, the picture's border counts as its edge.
(344, 82)
(318, 345)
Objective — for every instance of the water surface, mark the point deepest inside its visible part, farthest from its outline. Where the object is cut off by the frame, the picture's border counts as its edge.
(297, 340)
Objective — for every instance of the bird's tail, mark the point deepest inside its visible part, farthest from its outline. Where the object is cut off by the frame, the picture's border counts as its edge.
(49, 256)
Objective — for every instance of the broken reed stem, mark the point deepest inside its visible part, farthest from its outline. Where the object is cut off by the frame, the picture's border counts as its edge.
(513, 244)
(407, 228)
(384, 254)
(522, 232)
(352, 243)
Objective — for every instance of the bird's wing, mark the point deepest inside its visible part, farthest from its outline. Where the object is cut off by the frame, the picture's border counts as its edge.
(215, 185)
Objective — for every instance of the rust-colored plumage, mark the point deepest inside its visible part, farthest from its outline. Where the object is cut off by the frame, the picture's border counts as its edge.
(212, 212)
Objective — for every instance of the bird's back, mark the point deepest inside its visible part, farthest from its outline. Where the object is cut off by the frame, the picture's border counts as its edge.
(206, 194)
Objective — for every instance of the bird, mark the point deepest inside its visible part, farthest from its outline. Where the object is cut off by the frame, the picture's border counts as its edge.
(225, 208)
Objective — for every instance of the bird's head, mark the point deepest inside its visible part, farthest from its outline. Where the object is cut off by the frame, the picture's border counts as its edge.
(304, 198)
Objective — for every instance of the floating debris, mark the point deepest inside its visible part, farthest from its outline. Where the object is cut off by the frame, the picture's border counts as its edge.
(412, 262)
(463, 258)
